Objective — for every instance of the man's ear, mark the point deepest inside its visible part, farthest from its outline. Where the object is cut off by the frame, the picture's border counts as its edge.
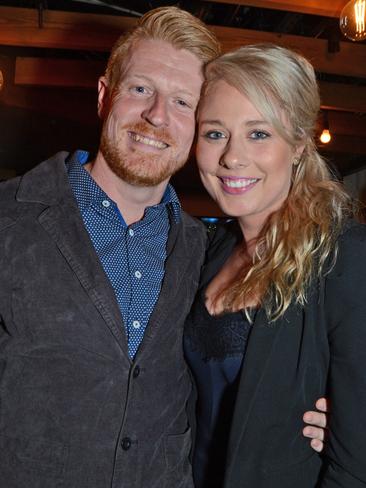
(103, 97)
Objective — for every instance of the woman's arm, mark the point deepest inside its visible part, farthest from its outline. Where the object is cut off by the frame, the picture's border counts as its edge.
(345, 312)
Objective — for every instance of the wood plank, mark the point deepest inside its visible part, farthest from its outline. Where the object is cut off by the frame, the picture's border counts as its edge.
(61, 30)
(340, 96)
(57, 101)
(69, 30)
(350, 61)
(327, 8)
(347, 124)
(67, 73)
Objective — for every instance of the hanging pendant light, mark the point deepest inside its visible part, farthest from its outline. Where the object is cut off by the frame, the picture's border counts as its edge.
(325, 136)
(353, 20)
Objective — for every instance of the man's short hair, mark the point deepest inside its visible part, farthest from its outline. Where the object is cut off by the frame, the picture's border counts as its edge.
(171, 24)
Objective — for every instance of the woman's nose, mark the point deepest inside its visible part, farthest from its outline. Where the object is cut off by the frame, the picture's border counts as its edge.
(234, 156)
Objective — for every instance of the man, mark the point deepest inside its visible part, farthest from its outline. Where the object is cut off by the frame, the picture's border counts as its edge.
(98, 277)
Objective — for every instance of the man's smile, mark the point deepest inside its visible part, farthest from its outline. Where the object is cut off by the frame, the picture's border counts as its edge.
(147, 140)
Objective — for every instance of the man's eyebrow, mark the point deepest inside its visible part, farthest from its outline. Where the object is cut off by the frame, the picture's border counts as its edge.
(179, 90)
(138, 77)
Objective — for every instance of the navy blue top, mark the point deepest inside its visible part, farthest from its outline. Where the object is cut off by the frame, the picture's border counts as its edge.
(133, 257)
(214, 348)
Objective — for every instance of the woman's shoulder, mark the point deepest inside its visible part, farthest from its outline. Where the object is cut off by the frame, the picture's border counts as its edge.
(351, 250)
(353, 235)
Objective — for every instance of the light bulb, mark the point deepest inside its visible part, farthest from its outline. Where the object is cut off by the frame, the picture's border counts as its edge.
(325, 136)
(353, 20)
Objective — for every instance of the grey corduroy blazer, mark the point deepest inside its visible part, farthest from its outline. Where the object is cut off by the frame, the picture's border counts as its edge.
(75, 412)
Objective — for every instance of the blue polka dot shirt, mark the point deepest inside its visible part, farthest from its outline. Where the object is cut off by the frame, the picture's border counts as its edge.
(133, 257)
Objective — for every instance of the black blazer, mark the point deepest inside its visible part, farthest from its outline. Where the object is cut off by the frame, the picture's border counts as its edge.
(316, 350)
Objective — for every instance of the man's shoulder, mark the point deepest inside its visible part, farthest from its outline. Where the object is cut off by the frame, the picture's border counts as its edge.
(41, 184)
(8, 204)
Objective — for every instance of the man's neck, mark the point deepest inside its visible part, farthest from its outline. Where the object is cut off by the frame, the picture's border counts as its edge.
(131, 200)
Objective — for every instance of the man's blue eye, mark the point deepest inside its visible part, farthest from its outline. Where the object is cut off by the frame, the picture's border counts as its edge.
(140, 89)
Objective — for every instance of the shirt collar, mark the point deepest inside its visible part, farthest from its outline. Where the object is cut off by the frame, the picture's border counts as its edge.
(87, 192)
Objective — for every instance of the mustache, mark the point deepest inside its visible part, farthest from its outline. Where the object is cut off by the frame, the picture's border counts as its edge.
(160, 134)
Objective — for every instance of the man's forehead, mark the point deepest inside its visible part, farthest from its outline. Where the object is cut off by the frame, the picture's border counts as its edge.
(155, 60)
(159, 52)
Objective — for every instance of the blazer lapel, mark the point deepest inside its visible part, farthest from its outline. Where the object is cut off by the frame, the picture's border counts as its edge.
(62, 221)
(257, 356)
(183, 242)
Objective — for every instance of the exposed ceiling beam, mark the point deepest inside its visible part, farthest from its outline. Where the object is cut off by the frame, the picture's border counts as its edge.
(61, 30)
(70, 30)
(327, 8)
(84, 74)
(67, 102)
(339, 96)
(347, 124)
(349, 61)
(66, 73)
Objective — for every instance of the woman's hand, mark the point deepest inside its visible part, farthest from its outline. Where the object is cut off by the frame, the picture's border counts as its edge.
(317, 424)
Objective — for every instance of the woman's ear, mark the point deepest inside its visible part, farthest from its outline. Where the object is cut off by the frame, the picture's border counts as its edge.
(299, 149)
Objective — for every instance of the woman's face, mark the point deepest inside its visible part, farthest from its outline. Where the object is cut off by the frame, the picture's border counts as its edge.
(245, 165)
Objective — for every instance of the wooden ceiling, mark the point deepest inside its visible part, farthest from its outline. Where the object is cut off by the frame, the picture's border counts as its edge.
(51, 58)
(326, 8)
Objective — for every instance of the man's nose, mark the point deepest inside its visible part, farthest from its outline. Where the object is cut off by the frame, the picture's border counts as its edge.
(157, 112)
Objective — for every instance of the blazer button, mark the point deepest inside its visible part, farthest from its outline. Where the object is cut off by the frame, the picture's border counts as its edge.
(136, 371)
(126, 443)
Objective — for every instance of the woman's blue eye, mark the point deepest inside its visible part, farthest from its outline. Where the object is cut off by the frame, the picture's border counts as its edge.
(214, 134)
(259, 134)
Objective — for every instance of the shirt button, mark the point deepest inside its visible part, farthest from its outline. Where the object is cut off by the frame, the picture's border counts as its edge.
(105, 203)
(138, 274)
(131, 232)
(136, 324)
(136, 371)
(126, 443)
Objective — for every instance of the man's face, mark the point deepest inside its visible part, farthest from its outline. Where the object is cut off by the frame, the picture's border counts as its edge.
(150, 116)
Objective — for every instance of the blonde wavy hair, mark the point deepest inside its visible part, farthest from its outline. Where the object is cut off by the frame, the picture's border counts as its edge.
(170, 24)
(297, 242)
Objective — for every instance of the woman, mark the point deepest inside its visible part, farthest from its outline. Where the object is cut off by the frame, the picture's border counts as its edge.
(280, 319)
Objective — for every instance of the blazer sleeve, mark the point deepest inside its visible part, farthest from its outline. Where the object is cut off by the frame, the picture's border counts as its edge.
(345, 315)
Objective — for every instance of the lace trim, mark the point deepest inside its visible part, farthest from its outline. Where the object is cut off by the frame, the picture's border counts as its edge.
(216, 337)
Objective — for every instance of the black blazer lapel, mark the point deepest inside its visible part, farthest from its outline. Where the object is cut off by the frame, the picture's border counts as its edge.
(256, 361)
